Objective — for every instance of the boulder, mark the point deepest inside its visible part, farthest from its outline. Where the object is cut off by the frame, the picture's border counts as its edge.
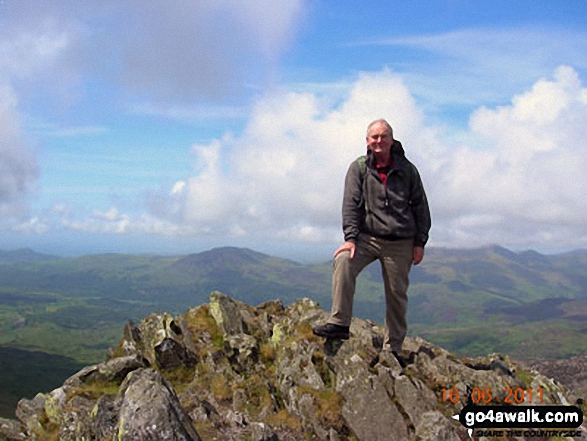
(150, 410)
(159, 338)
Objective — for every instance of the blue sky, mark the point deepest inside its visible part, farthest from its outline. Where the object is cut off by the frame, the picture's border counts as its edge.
(173, 127)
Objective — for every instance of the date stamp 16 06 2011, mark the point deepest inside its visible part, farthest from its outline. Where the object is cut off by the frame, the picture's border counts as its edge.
(486, 395)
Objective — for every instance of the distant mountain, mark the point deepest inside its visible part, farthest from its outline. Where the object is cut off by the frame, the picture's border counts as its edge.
(222, 258)
(24, 255)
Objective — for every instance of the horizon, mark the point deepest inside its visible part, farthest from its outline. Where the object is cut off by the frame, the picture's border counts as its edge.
(217, 123)
(288, 256)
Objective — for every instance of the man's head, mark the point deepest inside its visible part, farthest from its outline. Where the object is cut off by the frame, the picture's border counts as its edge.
(379, 137)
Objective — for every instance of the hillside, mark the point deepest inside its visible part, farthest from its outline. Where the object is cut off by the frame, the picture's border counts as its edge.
(229, 371)
(24, 255)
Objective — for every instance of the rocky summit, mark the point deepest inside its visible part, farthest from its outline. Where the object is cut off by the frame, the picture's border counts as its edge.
(229, 371)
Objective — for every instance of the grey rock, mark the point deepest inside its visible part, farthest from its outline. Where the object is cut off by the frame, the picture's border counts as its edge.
(307, 410)
(434, 426)
(363, 392)
(111, 371)
(75, 420)
(105, 421)
(227, 314)
(29, 411)
(11, 430)
(262, 432)
(245, 349)
(150, 410)
(170, 353)
(414, 397)
(159, 338)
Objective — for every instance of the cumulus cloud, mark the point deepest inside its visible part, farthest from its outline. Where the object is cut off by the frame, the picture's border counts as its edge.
(24, 52)
(171, 58)
(185, 49)
(282, 177)
(527, 186)
(18, 166)
(168, 52)
(112, 221)
(32, 226)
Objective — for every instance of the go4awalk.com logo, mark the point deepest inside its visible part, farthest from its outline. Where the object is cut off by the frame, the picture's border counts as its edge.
(508, 420)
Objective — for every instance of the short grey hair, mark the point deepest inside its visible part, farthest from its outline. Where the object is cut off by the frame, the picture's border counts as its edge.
(380, 121)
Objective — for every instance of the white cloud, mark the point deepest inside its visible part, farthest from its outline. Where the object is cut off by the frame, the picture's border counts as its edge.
(192, 49)
(189, 113)
(32, 226)
(282, 177)
(181, 56)
(18, 166)
(27, 54)
(114, 222)
(529, 186)
(189, 58)
(23, 51)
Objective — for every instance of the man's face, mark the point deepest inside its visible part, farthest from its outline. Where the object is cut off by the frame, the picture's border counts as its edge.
(379, 139)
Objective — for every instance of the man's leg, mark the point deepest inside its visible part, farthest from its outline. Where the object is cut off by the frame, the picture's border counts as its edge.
(396, 262)
(344, 277)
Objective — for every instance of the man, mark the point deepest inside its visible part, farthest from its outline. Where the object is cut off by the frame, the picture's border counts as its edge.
(385, 216)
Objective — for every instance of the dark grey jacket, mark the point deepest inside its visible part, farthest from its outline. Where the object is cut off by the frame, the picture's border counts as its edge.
(398, 210)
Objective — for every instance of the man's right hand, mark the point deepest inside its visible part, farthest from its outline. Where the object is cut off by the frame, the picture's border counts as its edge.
(347, 246)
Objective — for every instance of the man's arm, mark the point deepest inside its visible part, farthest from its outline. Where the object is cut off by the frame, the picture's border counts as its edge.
(352, 204)
(420, 211)
(418, 255)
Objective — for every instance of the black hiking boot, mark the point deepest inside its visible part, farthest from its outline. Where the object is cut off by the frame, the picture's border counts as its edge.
(403, 361)
(332, 331)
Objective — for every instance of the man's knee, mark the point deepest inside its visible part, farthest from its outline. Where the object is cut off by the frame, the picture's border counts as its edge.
(342, 267)
(342, 259)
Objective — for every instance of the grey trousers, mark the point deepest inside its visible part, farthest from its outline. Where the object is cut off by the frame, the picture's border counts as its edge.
(396, 261)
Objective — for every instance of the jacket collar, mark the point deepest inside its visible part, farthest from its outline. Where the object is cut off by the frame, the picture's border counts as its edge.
(398, 155)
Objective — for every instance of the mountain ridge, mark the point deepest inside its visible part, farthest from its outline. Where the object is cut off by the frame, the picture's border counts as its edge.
(23, 255)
